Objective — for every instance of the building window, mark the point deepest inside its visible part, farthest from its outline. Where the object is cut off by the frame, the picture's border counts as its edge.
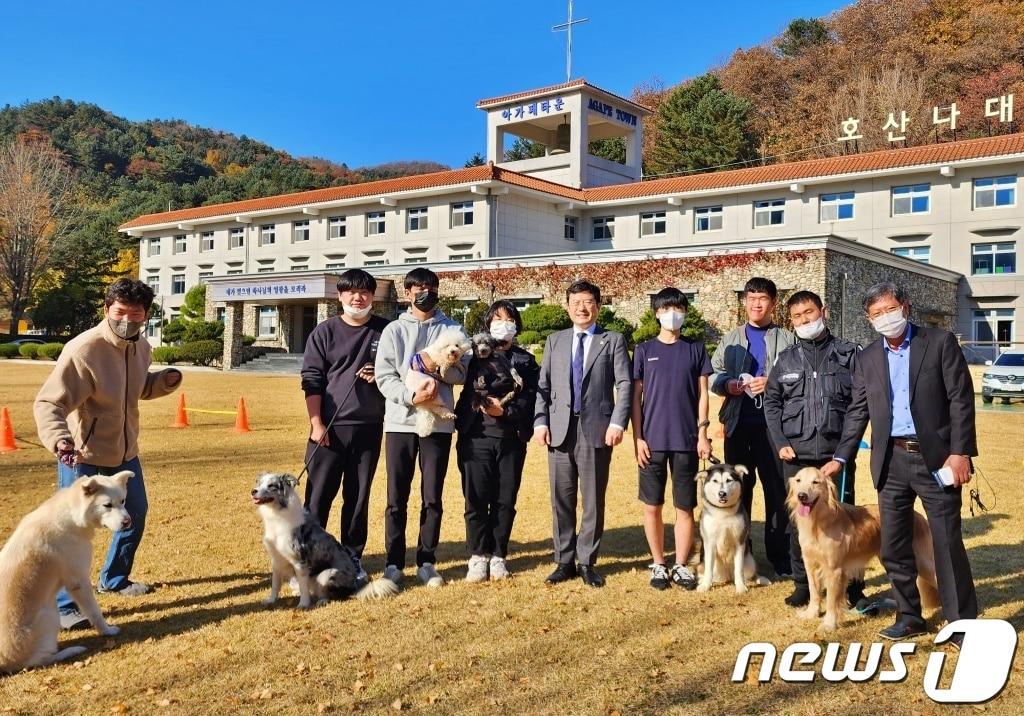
(995, 192)
(234, 272)
(268, 235)
(375, 223)
(652, 224)
(154, 283)
(205, 274)
(178, 283)
(770, 212)
(994, 324)
(222, 313)
(460, 257)
(604, 228)
(570, 228)
(153, 247)
(917, 253)
(265, 269)
(237, 238)
(418, 218)
(207, 241)
(268, 321)
(336, 227)
(374, 258)
(461, 252)
(912, 199)
(300, 267)
(416, 255)
(462, 214)
(300, 231)
(836, 207)
(707, 218)
(152, 326)
(335, 265)
(180, 244)
(994, 258)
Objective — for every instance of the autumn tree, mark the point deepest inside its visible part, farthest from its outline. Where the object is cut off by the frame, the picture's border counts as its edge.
(37, 209)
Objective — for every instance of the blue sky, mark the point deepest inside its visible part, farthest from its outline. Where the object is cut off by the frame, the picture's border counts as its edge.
(360, 83)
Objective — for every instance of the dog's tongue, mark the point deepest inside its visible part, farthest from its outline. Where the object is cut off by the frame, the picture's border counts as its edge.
(804, 510)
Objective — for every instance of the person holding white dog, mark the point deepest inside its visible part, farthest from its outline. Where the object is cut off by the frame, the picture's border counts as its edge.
(401, 349)
(87, 413)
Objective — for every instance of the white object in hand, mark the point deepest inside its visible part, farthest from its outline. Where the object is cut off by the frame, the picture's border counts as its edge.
(944, 476)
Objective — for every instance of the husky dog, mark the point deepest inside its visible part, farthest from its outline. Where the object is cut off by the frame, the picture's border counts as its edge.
(495, 376)
(725, 528)
(49, 549)
(445, 350)
(298, 546)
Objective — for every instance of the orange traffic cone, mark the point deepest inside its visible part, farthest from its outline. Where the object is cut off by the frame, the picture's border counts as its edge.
(181, 419)
(241, 418)
(6, 432)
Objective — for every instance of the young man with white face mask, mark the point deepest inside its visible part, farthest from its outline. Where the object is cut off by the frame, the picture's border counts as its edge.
(670, 432)
(805, 402)
(346, 409)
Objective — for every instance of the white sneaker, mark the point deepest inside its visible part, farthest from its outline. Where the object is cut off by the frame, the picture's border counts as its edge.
(499, 570)
(393, 574)
(429, 576)
(477, 571)
(132, 589)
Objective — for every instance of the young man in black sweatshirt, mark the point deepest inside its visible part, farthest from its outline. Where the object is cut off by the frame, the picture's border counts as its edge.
(805, 402)
(346, 410)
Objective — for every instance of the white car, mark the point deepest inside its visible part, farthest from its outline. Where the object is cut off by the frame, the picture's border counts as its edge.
(1005, 377)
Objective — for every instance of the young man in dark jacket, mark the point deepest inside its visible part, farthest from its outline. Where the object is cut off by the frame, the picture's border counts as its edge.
(805, 403)
(346, 410)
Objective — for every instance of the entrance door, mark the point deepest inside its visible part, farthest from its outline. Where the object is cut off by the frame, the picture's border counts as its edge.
(308, 323)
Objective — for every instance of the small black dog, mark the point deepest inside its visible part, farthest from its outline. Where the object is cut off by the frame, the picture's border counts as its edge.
(495, 376)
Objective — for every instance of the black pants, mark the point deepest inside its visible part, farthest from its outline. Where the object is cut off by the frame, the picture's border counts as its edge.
(749, 446)
(907, 478)
(492, 469)
(843, 485)
(401, 450)
(348, 463)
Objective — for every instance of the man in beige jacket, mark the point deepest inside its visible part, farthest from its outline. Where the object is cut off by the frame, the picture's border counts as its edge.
(87, 413)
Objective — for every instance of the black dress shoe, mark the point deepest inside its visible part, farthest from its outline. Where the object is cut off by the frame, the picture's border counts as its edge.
(562, 573)
(590, 576)
(800, 597)
(956, 641)
(903, 629)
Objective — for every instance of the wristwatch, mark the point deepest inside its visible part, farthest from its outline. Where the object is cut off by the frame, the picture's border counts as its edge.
(704, 424)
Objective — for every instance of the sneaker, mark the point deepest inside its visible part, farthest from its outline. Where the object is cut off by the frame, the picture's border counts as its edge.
(683, 577)
(800, 597)
(73, 620)
(499, 568)
(131, 589)
(659, 577)
(477, 571)
(429, 576)
(393, 574)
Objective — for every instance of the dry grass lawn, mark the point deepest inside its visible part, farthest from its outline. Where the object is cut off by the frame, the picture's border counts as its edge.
(201, 643)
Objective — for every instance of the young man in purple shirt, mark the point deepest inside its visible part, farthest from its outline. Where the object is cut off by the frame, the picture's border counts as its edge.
(670, 424)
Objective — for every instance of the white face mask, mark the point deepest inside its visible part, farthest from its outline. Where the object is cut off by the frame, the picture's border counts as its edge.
(891, 324)
(671, 320)
(356, 312)
(810, 331)
(503, 330)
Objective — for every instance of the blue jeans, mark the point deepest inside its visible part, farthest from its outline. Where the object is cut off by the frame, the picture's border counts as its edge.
(121, 555)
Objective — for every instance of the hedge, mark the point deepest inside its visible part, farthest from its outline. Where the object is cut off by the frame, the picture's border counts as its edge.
(248, 340)
(529, 338)
(167, 354)
(29, 350)
(50, 351)
(202, 352)
(9, 350)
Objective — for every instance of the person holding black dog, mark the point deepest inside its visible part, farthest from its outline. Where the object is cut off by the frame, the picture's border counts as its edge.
(491, 448)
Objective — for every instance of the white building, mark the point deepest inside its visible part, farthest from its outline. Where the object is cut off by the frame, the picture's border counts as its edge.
(952, 205)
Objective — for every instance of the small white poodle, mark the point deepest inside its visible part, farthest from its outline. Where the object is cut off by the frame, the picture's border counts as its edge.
(444, 351)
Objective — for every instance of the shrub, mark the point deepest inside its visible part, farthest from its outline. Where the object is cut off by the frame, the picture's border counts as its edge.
(167, 354)
(473, 321)
(545, 318)
(29, 350)
(173, 331)
(202, 331)
(9, 350)
(202, 352)
(248, 340)
(50, 351)
(529, 338)
(607, 319)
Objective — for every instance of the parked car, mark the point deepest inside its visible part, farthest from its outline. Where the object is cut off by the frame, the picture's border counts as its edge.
(23, 340)
(1004, 378)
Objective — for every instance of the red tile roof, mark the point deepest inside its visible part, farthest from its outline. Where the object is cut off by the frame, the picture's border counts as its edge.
(1003, 145)
(552, 89)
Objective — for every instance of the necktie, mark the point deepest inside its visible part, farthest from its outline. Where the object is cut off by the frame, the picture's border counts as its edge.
(577, 375)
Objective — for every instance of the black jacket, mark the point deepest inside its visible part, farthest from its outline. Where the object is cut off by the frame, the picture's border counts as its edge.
(518, 417)
(805, 402)
(941, 402)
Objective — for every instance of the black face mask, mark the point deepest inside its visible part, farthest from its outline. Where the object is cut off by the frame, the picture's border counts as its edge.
(425, 301)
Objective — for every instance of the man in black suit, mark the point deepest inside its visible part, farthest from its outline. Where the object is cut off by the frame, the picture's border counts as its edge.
(915, 389)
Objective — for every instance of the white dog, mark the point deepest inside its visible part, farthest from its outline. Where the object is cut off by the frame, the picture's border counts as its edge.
(49, 549)
(724, 529)
(298, 546)
(445, 350)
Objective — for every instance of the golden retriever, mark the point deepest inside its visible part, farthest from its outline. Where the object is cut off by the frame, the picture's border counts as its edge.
(838, 540)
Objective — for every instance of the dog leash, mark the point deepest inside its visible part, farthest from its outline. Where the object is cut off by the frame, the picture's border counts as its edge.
(334, 417)
(975, 494)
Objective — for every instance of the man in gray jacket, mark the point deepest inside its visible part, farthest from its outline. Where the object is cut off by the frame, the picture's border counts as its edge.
(741, 364)
(399, 342)
(583, 403)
